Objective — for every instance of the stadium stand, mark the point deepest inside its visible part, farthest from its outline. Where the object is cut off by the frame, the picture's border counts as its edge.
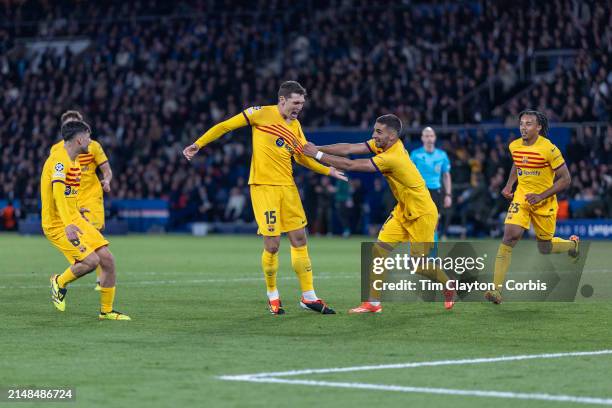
(149, 85)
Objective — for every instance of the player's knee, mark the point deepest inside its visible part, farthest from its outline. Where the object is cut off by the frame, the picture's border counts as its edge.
(91, 262)
(545, 247)
(511, 239)
(107, 260)
(272, 244)
(272, 247)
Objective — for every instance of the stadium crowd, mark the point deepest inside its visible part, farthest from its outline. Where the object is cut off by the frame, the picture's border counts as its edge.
(148, 86)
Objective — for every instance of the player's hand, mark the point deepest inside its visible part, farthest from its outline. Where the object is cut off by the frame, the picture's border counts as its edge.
(72, 233)
(310, 150)
(533, 199)
(335, 173)
(448, 201)
(190, 151)
(83, 211)
(105, 185)
(507, 192)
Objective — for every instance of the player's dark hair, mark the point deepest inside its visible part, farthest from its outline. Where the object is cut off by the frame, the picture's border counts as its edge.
(391, 121)
(540, 118)
(71, 114)
(73, 128)
(291, 87)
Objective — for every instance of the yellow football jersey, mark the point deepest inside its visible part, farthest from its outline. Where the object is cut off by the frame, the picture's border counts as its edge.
(59, 169)
(275, 143)
(406, 182)
(535, 169)
(89, 162)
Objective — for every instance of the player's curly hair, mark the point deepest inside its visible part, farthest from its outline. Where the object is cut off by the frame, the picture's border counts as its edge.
(540, 117)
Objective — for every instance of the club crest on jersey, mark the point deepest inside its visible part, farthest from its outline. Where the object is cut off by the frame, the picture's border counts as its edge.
(280, 142)
(252, 109)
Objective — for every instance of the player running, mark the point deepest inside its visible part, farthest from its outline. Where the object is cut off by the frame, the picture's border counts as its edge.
(81, 243)
(415, 216)
(537, 164)
(91, 197)
(277, 138)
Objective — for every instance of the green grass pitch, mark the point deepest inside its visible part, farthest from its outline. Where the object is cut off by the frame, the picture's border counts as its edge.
(199, 312)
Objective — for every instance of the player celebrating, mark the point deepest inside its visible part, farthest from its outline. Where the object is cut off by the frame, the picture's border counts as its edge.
(277, 137)
(433, 164)
(91, 197)
(82, 244)
(537, 163)
(414, 218)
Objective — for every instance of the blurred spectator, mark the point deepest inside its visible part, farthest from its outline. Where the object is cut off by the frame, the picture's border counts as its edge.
(9, 217)
(235, 205)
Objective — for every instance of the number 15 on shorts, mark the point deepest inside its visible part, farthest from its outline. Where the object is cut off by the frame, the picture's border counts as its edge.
(270, 217)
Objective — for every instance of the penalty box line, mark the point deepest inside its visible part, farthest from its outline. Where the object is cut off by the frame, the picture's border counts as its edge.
(275, 378)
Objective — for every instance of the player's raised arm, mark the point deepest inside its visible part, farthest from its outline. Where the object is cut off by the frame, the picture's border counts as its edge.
(342, 163)
(345, 149)
(215, 132)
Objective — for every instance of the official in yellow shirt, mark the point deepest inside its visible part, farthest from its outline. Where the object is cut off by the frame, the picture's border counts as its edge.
(541, 174)
(82, 244)
(414, 218)
(277, 139)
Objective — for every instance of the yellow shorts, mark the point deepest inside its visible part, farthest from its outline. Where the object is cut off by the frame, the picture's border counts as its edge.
(523, 215)
(277, 209)
(95, 215)
(88, 242)
(419, 232)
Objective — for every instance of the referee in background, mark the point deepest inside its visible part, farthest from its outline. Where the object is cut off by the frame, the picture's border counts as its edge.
(434, 166)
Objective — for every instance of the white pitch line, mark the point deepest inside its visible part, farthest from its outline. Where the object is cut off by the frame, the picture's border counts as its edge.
(185, 281)
(424, 364)
(273, 377)
(427, 390)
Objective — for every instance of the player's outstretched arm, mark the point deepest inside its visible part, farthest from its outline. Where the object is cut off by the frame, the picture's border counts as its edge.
(507, 190)
(317, 167)
(214, 133)
(344, 149)
(342, 163)
(562, 182)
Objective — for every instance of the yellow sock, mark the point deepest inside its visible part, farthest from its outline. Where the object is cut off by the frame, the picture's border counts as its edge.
(98, 272)
(433, 273)
(302, 267)
(379, 250)
(502, 263)
(65, 278)
(107, 297)
(269, 264)
(560, 245)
